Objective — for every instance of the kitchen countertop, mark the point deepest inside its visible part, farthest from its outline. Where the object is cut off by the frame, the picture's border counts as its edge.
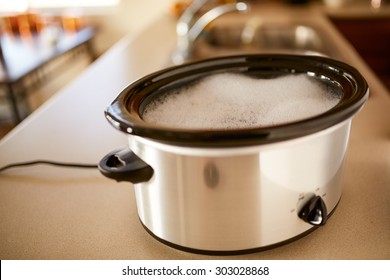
(360, 10)
(51, 212)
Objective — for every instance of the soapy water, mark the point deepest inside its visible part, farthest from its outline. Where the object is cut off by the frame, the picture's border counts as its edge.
(236, 101)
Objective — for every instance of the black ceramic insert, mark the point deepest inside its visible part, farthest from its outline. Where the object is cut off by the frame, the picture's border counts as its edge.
(125, 113)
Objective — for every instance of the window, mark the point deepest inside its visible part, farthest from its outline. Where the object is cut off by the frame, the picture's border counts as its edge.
(7, 6)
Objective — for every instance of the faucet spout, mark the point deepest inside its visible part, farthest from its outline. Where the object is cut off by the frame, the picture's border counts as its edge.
(212, 15)
(183, 25)
(187, 33)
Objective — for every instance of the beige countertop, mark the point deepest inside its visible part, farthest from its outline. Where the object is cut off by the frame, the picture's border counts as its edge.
(63, 213)
(360, 10)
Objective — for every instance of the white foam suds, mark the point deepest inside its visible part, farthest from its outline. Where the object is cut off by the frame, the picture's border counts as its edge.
(233, 101)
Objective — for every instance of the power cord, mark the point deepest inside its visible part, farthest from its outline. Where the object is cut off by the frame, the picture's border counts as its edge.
(61, 164)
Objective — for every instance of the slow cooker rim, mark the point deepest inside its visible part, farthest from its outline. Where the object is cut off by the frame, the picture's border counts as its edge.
(124, 112)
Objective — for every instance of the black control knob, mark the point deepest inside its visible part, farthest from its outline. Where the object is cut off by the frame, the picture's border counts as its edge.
(314, 211)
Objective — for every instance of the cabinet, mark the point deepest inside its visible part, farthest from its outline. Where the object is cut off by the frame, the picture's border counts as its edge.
(371, 38)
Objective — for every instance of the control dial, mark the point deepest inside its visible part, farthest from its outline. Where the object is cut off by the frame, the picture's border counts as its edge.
(314, 211)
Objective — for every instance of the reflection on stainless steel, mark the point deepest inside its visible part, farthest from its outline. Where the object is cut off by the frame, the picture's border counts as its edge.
(206, 198)
(376, 4)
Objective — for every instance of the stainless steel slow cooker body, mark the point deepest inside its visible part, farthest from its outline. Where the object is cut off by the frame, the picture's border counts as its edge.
(234, 191)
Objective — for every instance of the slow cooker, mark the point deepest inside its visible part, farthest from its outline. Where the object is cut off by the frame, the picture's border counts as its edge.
(230, 191)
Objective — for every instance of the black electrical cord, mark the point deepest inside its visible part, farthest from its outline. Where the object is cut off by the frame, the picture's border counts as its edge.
(61, 164)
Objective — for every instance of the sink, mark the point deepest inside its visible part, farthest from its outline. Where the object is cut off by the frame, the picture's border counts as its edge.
(256, 36)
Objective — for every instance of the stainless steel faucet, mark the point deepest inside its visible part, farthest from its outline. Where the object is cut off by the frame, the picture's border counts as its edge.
(189, 27)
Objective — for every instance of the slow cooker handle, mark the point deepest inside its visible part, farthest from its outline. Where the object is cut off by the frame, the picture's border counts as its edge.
(124, 165)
